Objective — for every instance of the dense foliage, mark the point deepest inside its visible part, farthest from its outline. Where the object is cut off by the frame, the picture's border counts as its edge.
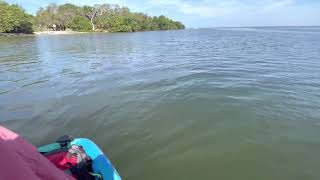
(14, 19)
(105, 17)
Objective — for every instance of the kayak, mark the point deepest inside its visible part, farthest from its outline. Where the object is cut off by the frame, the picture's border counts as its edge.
(80, 157)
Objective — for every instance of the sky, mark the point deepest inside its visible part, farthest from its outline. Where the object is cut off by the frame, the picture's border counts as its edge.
(211, 13)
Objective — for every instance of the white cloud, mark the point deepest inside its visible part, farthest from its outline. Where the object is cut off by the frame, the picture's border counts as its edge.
(215, 8)
(277, 4)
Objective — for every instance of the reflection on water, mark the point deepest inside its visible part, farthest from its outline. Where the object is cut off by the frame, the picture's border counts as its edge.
(192, 104)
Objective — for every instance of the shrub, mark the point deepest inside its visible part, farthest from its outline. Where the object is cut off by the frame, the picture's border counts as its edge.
(80, 23)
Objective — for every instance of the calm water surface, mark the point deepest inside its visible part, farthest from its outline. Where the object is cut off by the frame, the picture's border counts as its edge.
(237, 103)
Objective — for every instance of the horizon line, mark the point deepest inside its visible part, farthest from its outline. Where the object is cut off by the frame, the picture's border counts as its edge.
(262, 26)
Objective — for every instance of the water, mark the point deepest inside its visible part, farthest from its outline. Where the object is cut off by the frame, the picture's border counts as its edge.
(226, 103)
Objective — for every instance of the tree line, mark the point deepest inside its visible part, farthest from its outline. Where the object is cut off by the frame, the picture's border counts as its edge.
(103, 17)
(14, 19)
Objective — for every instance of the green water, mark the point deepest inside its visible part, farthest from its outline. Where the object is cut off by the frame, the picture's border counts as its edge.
(193, 104)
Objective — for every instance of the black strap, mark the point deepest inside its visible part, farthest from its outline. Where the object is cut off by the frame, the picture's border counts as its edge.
(82, 171)
(64, 140)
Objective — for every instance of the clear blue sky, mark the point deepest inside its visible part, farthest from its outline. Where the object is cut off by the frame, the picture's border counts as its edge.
(212, 13)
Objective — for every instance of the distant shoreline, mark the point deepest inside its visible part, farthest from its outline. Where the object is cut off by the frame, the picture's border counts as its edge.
(37, 33)
(15, 34)
(260, 27)
(57, 32)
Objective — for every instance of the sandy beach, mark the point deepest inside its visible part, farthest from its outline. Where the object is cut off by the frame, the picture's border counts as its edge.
(57, 32)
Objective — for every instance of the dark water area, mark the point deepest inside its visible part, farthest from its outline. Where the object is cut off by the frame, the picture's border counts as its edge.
(224, 103)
